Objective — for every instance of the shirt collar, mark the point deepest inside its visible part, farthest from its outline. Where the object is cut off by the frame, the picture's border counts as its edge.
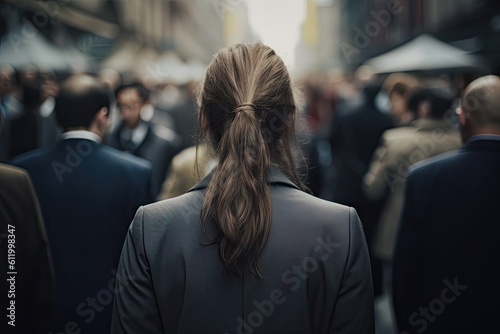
(81, 134)
(137, 135)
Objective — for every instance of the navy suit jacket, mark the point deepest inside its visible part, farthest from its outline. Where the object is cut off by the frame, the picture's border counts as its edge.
(88, 195)
(446, 277)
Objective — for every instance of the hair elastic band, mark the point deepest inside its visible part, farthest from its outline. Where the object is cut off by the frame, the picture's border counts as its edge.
(244, 106)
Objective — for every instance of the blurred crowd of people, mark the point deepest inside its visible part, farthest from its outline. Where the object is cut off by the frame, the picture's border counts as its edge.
(154, 123)
(379, 130)
(360, 136)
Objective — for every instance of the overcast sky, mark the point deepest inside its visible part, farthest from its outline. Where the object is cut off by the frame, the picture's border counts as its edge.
(277, 23)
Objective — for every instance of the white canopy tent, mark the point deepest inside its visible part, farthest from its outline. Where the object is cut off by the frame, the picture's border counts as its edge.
(122, 58)
(169, 67)
(424, 53)
(130, 58)
(18, 50)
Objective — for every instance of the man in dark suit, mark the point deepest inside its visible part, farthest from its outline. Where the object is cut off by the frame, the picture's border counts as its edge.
(88, 194)
(354, 138)
(153, 142)
(445, 276)
(184, 113)
(26, 273)
(29, 122)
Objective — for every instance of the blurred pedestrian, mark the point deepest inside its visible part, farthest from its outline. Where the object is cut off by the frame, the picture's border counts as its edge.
(27, 293)
(7, 78)
(430, 134)
(23, 127)
(445, 270)
(153, 142)
(88, 194)
(29, 121)
(354, 137)
(188, 167)
(50, 133)
(178, 102)
(268, 257)
(398, 87)
(112, 79)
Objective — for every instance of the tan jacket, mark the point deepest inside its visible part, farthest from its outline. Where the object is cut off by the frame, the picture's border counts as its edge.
(399, 149)
(182, 174)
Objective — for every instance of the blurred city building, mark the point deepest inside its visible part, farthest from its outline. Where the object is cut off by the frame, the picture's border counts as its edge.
(134, 36)
(372, 27)
(81, 35)
(318, 47)
(236, 25)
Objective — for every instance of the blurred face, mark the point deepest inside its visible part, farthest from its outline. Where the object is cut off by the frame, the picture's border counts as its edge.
(130, 104)
(28, 76)
(110, 78)
(398, 106)
(50, 87)
(5, 82)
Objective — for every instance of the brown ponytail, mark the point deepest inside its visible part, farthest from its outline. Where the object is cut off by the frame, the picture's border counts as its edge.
(247, 113)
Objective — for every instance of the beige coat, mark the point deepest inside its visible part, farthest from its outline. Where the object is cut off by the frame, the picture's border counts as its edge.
(182, 173)
(399, 149)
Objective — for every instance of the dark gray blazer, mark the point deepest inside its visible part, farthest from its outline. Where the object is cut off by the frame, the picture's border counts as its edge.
(315, 267)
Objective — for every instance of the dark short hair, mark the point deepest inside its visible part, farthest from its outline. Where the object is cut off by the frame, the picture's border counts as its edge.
(370, 91)
(440, 101)
(32, 95)
(416, 97)
(77, 104)
(139, 88)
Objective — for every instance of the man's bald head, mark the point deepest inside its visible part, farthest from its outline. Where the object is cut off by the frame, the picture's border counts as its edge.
(79, 100)
(481, 103)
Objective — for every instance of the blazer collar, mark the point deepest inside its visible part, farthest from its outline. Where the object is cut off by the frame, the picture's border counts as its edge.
(275, 176)
(483, 144)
